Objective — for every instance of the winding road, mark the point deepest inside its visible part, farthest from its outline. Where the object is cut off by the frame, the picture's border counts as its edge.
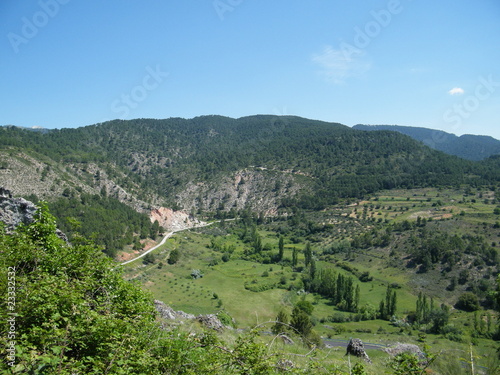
(167, 236)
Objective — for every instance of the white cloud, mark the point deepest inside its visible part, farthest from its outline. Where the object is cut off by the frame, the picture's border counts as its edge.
(339, 64)
(456, 91)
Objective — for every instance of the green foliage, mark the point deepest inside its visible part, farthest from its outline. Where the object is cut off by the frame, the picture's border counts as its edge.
(301, 322)
(405, 364)
(225, 318)
(74, 311)
(468, 302)
(388, 306)
(174, 256)
(358, 369)
(305, 306)
(281, 324)
(149, 259)
(339, 288)
(196, 274)
(281, 248)
(107, 221)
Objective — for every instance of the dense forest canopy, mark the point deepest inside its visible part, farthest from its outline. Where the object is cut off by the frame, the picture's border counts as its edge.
(163, 155)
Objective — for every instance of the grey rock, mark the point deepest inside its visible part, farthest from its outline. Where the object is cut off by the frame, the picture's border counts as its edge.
(211, 321)
(15, 211)
(166, 312)
(286, 340)
(399, 348)
(356, 348)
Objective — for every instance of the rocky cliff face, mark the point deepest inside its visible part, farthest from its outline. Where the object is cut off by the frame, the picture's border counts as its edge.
(15, 211)
(173, 220)
(258, 188)
(26, 175)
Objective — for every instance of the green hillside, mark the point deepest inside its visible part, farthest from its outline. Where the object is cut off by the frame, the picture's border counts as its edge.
(161, 157)
(279, 163)
(467, 146)
(334, 232)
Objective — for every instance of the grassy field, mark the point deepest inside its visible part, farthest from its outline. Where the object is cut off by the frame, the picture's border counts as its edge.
(231, 285)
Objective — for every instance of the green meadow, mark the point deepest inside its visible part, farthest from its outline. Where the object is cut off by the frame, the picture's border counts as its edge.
(253, 293)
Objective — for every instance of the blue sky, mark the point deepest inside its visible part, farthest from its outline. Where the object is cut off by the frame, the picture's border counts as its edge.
(68, 63)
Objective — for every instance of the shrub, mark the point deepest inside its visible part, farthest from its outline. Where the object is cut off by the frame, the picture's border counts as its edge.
(196, 274)
(468, 302)
(174, 256)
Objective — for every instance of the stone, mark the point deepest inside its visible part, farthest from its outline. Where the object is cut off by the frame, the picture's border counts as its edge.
(399, 348)
(15, 211)
(356, 348)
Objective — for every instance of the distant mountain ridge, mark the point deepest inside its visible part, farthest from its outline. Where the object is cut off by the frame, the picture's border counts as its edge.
(467, 146)
(214, 163)
(31, 128)
(110, 175)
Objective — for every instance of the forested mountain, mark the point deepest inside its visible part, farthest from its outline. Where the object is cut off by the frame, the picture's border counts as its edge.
(213, 163)
(164, 157)
(467, 146)
(409, 220)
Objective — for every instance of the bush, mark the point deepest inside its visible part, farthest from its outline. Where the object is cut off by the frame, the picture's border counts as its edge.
(149, 259)
(468, 302)
(196, 274)
(225, 318)
(174, 256)
(365, 277)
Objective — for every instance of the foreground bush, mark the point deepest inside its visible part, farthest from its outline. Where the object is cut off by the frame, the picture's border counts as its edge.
(71, 312)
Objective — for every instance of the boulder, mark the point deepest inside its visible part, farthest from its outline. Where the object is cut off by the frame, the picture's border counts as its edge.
(356, 348)
(399, 348)
(15, 211)
(211, 321)
(166, 312)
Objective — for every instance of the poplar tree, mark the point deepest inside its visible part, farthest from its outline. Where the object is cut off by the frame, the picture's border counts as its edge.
(281, 248)
(294, 257)
(307, 254)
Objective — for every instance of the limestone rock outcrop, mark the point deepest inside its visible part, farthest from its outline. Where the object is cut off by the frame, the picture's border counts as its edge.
(356, 348)
(15, 211)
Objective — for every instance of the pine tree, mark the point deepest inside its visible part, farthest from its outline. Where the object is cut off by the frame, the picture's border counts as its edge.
(381, 310)
(281, 324)
(312, 269)
(393, 308)
(301, 322)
